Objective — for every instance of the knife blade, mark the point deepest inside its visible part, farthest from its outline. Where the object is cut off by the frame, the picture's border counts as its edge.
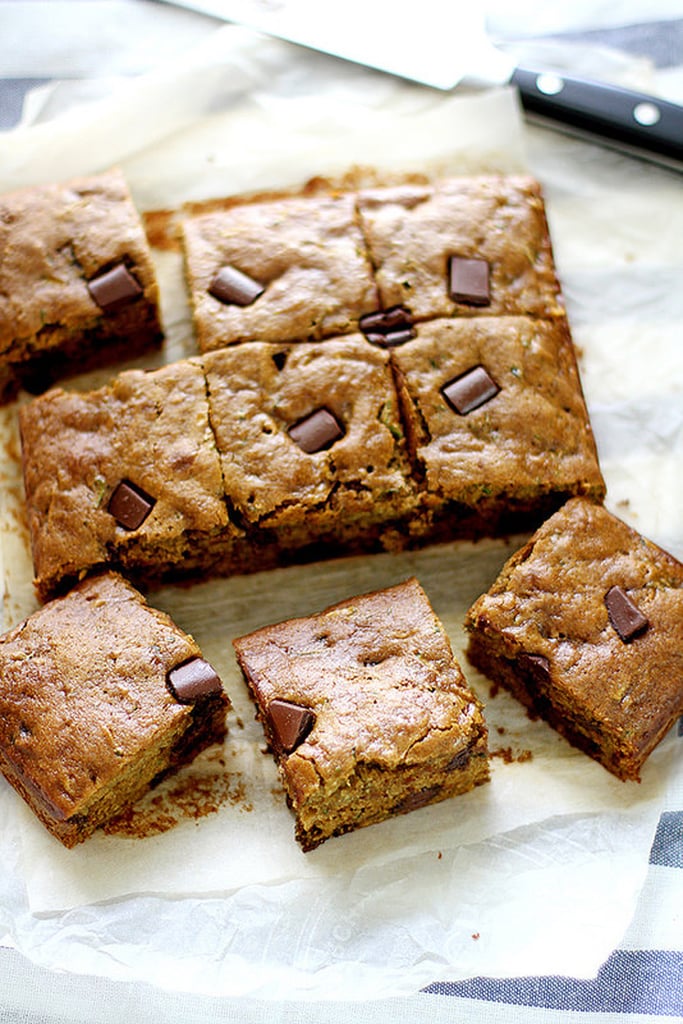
(400, 39)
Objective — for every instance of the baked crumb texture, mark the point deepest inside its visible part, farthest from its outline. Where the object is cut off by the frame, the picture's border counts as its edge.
(344, 402)
(77, 282)
(365, 710)
(100, 696)
(584, 625)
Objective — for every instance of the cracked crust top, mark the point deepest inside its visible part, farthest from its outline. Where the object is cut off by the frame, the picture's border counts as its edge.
(412, 231)
(379, 675)
(259, 392)
(532, 437)
(550, 602)
(150, 429)
(53, 240)
(309, 256)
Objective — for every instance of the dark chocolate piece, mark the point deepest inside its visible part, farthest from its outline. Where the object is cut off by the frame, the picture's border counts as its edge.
(535, 669)
(459, 761)
(129, 505)
(469, 281)
(536, 665)
(316, 432)
(388, 327)
(290, 724)
(233, 287)
(392, 339)
(192, 680)
(114, 288)
(470, 390)
(414, 801)
(626, 618)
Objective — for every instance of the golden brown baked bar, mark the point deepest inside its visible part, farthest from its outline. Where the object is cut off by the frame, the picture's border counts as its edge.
(585, 626)
(311, 442)
(281, 270)
(366, 711)
(100, 696)
(77, 282)
(419, 236)
(496, 422)
(126, 476)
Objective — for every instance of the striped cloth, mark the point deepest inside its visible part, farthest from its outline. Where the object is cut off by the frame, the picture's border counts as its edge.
(641, 981)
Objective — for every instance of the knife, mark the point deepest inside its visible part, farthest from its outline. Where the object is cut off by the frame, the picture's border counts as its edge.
(444, 44)
(633, 122)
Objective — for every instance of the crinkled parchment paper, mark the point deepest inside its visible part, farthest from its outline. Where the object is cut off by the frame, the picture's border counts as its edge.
(539, 871)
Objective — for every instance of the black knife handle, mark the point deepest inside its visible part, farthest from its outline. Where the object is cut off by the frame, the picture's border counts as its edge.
(631, 119)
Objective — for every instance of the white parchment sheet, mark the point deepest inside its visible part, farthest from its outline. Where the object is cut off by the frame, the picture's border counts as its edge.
(539, 871)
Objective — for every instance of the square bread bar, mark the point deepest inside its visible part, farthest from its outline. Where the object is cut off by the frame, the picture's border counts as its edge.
(127, 475)
(100, 696)
(311, 442)
(366, 711)
(584, 625)
(496, 423)
(77, 283)
(293, 269)
(462, 247)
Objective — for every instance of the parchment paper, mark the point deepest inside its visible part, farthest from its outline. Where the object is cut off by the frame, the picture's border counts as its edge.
(538, 871)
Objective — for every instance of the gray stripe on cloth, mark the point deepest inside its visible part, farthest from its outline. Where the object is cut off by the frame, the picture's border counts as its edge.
(667, 848)
(12, 93)
(631, 981)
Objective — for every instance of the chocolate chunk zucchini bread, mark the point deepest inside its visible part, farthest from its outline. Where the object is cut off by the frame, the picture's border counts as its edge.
(495, 421)
(311, 444)
(127, 475)
(285, 270)
(218, 465)
(318, 266)
(366, 711)
(584, 625)
(77, 282)
(350, 397)
(100, 696)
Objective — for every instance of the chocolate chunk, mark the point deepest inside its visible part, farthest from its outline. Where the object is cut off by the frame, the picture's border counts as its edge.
(420, 798)
(372, 322)
(536, 665)
(470, 390)
(129, 505)
(626, 618)
(114, 288)
(469, 281)
(535, 672)
(388, 327)
(316, 432)
(397, 318)
(233, 287)
(192, 680)
(385, 320)
(460, 760)
(290, 724)
(392, 338)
